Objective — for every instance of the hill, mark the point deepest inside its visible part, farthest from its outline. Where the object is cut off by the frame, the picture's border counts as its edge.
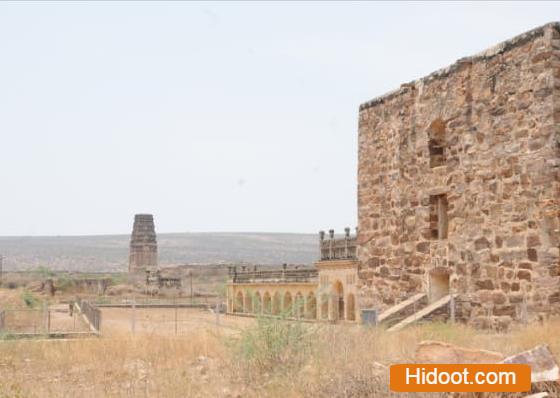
(109, 253)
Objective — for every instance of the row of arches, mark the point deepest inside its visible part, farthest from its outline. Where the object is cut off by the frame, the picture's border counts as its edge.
(333, 306)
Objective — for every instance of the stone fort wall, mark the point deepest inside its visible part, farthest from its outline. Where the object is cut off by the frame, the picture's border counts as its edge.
(460, 172)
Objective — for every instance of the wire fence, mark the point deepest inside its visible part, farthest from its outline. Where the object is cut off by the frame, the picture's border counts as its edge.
(168, 318)
(91, 312)
(25, 321)
(151, 301)
(38, 321)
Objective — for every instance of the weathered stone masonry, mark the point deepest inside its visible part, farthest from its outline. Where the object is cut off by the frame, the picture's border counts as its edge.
(143, 244)
(458, 184)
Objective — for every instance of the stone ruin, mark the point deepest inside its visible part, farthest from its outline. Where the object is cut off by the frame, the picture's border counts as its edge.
(143, 245)
(458, 185)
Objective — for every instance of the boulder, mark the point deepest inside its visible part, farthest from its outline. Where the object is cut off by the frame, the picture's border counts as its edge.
(440, 352)
(543, 365)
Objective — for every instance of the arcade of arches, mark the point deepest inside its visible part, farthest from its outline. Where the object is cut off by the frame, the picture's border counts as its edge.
(331, 296)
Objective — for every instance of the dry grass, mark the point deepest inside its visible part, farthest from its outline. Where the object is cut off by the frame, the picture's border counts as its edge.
(333, 361)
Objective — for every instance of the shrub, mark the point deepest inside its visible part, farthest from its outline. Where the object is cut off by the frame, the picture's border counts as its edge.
(272, 344)
(29, 299)
(63, 284)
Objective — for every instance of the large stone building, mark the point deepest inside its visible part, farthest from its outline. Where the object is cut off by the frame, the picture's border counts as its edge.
(143, 245)
(458, 196)
(458, 184)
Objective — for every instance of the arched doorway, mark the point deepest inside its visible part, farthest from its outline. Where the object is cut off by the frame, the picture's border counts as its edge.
(324, 306)
(350, 308)
(338, 300)
(288, 310)
(276, 304)
(238, 302)
(257, 303)
(438, 283)
(298, 305)
(248, 303)
(311, 306)
(267, 303)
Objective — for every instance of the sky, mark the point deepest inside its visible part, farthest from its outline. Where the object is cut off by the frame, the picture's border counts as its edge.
(211, 116)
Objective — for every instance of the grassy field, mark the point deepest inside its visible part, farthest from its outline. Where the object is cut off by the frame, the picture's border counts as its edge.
(239, 358)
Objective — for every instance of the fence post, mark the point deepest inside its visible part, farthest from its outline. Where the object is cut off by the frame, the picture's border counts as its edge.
(217, 315)
(45, 317)
(175, 300)
(133, 322)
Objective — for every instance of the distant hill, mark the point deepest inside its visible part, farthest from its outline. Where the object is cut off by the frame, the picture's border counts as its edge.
(109, 253)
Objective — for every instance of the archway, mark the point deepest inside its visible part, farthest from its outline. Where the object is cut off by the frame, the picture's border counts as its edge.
(238, 302)
(276, 304)
(338, 307)
(267, 303)
(311, 307)
(257, 303)
(248, 303)
(288, 310)
(438, 286)
(350, 308)
(298, 305)
(324, 306)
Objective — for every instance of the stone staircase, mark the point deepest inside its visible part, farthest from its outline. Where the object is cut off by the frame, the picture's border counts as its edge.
(422, 313)
(402, 310)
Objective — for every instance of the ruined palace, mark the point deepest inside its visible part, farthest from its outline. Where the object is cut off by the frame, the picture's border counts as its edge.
(143, 245)
(458, 194)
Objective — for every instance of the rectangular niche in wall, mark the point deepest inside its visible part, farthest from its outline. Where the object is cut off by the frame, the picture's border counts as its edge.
(436, 143)
(438, 216)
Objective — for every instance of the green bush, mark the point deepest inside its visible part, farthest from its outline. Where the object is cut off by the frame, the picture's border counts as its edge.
(29, 299)
(273, 344)
(63, 283)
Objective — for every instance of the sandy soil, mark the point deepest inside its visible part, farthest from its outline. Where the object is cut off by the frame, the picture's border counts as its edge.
(161, 321)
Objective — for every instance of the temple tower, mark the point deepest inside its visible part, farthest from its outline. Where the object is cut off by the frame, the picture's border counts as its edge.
(143, 244)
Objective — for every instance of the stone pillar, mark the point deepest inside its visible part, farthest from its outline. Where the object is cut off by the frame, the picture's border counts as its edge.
(143, 244)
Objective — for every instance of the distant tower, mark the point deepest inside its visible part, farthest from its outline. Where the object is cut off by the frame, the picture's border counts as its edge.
(143, 244)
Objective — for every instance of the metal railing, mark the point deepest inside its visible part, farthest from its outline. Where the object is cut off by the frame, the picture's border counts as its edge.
(91, 312)
(281, 275)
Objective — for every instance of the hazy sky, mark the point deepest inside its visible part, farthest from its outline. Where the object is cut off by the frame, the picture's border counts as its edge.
(211, 116)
